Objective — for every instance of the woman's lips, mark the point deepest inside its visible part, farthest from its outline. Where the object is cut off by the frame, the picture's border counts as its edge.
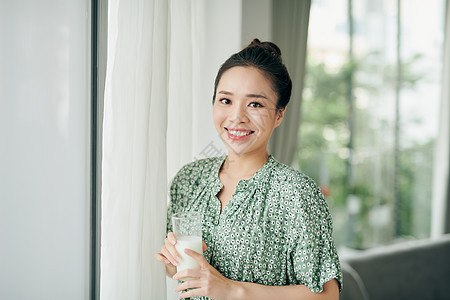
(237, 134)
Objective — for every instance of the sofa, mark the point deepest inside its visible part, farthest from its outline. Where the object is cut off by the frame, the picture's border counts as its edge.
(410, 270)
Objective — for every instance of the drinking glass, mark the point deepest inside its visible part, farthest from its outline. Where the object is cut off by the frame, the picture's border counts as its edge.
(187, 227)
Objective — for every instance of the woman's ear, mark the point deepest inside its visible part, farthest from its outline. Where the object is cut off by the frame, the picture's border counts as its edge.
(280, 115)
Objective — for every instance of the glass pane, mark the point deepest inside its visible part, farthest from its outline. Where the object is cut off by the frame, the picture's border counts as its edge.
(370, 116)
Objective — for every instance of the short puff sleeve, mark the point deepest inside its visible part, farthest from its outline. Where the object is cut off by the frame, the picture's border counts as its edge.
(313, 252)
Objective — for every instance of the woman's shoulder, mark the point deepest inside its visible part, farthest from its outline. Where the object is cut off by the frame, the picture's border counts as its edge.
(287, 175)
(300, 194)
(294, 187)
(199, 169)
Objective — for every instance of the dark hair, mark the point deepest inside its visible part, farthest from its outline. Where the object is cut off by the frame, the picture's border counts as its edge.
(265, 56)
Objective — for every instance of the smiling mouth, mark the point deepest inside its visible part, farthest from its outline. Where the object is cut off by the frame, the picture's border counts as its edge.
(239, 133)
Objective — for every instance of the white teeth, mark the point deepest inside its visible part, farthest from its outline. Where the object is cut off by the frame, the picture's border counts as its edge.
(239, 133)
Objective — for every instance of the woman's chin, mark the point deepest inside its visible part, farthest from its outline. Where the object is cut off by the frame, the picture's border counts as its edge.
(238, 148)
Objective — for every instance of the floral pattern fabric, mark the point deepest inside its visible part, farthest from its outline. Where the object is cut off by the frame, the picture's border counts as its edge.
(276, 230)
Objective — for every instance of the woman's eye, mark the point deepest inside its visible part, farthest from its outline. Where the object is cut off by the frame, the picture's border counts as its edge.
(255, 104)
(225, 101)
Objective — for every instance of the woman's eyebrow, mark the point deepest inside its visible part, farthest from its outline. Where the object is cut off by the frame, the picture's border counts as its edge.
(261, 96)
(257, 96)
(225, 93)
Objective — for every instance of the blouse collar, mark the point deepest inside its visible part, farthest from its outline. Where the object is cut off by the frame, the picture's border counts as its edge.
(258, 179)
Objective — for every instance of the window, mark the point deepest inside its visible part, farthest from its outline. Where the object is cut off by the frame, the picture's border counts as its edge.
(370, 115)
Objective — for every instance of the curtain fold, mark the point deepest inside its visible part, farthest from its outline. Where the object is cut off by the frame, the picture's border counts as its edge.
(440, 217)
(134, 151)
(186, 44)
(186, 33)
(290, 20)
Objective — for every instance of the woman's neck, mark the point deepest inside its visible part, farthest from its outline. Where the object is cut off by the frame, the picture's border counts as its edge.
(243, 166)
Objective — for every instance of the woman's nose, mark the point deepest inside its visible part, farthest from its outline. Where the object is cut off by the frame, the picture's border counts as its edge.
(239, 114)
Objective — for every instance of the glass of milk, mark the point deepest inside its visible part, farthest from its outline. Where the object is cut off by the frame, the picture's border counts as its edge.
(187, 227)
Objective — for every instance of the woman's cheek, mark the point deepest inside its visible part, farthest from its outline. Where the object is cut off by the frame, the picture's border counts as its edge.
(261, 119)
(218, 118)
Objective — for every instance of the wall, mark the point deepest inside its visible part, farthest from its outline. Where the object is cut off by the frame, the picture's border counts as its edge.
(44, 150)
(256, 20)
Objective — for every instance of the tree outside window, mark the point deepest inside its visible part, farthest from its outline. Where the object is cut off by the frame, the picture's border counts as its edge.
(369, 115)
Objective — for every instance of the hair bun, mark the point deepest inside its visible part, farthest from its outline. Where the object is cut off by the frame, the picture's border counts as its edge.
(268, 46)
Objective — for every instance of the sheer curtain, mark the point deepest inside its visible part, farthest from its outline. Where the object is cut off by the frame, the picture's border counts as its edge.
(441, 177)
(134, 150)
(186, 41)
(290, 31)
(186, 49)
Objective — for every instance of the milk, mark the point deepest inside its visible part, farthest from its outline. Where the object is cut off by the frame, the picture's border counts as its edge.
(188, 242)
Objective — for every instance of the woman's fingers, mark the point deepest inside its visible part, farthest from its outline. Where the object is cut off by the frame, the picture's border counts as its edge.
(169, 254)
(172, 238)
(189, 284)
(198, 257)
(160, 257)
(193, 293)
(171, 269)
(169, 251)
(187, 273)
(206, 281)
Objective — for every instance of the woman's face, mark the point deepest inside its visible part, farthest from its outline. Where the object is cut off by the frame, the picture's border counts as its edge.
(245, 111)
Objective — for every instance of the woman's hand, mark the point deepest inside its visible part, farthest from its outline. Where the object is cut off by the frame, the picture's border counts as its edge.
(207, 281)
(169, 255)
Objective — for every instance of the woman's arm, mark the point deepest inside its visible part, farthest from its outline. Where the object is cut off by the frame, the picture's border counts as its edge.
(247, 290)
(212, 284)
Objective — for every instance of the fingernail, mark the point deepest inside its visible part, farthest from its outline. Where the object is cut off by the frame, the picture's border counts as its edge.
(172, 241)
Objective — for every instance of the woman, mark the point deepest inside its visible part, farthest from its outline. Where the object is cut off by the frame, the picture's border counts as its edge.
(266, 227)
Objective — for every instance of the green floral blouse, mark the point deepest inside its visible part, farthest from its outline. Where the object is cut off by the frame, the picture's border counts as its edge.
(276, 230)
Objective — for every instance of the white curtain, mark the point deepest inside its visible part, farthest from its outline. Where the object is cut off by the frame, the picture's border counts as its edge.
(186, 41)
(441, 176)
(186, 44)
(134, 151)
